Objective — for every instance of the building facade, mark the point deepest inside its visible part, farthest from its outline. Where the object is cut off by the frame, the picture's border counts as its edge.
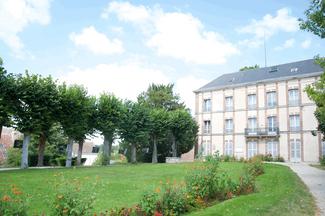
(261, 111)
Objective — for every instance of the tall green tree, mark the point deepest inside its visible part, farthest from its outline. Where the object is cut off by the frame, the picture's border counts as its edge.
(73, 115)
(32, 93)
(316, 92)
(159, 125)
(315, 18)
(88, 126)
(8, 97)
(161, 96)
(134, 127)
(108, 118)
(183, 130)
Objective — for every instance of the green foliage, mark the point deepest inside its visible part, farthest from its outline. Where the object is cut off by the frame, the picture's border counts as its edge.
(13, 157)
(255, 167)
(322, 161)
(249, 67)
(13, 201)
(148, 202)
(246, 183)
(317, 94)
(73, 197)
(161, 97)
(174, 200)
(315, 18)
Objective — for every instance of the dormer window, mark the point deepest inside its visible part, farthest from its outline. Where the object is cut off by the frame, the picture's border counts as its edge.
(273, 69)
(293, 69)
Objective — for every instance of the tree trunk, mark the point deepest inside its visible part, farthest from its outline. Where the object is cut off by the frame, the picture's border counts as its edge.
(0, 131)
(81, 144)
(174, 150)
(41, 148)
(24, 155)
(107, 149)
(154, 151)
(133, 153)
(68, 161)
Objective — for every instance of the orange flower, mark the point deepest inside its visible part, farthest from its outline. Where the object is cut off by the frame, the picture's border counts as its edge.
(157, 190)
(6, 198)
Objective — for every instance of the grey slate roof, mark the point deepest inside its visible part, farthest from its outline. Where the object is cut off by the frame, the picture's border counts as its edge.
(287, 71)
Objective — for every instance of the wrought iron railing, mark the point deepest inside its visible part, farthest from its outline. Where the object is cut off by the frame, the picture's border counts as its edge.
(257, 132)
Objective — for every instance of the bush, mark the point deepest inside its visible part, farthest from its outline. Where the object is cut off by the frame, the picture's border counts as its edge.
(13, 157)
(148, 203)
(13, 202)
(33, 159)
(255, 167)
(174, 201)
(73, 197)
(267, 157)
(322, 161)
(226, 187)
(279, 159)
(246, 184)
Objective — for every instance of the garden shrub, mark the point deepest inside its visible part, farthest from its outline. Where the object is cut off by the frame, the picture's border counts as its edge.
(174, 201)
(226, 187)
(149, 202)
(279, 159)
(267, 157)
(13, 157)
(73, 197)
(322, 161)
(255, 167)
(246, 183)
(13, 201)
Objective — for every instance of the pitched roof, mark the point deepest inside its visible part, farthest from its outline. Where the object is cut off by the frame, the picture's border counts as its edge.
(287, 71)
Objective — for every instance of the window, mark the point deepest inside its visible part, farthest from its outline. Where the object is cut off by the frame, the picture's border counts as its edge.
(271, 99)
(272, 148)
(323, 148)
(294, 123)
(229, 148)
(251, 149)
(95, 149)
(207, 105)
(206, 147)
(229, 104)
(252, 125)
(229, 127)
(293, 97)
(207, 127)
(251, 101)
(295, 150)
(271, 124)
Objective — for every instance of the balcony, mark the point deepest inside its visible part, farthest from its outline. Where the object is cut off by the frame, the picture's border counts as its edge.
(262, 132)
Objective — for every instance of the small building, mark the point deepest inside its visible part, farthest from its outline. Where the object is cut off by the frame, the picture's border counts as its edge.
(7, 140)
(261, 111)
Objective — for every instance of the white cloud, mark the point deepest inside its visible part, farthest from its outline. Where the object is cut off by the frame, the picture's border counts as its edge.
(287, 44)
(185, 86)
(178, 35)
(96, 42)
(306, 44)
(16, 15)
(127, 12)
(268, 26)
(126, 80)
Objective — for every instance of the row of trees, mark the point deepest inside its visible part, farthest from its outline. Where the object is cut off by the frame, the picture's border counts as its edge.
(34, 104)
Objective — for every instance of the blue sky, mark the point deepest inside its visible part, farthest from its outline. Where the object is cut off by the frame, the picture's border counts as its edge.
(122, 46)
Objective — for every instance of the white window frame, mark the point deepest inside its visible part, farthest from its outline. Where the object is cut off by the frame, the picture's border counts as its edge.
(272, 148)
(271, 125)
(251, 101)
(323, 148)
(207, 105)
(271, 99)
(206, 147)
(251, 149)
(229, 103)
(293, 154)
(229, 148)
(229, 126)
(252, 125)
(293, 97)
(294, 122)
(207, 127)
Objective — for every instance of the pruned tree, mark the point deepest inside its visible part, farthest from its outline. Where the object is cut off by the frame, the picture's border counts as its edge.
(315, 18)
(249, 67)
(8, 97)
(134, 127)
(73, 115)
(159, 126)
(183, 129)
(108, 117)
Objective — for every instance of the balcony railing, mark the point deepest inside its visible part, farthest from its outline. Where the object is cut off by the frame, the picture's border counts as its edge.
(262, 132)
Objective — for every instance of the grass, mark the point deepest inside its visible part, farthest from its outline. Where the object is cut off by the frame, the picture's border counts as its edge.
(318, 166)
(279, 190)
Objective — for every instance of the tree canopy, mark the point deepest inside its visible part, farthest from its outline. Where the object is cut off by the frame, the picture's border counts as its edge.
(249, 67)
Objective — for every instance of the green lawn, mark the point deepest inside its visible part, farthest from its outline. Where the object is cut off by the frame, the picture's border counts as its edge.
(318, 166)
(279, 190)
